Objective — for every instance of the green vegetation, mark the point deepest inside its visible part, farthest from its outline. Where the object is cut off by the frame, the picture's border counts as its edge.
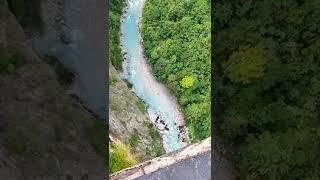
(115, 11)
(120, 158)
(115, 107)
(9, 60)
(176, 36)
(142, 107)
(245, 65)
(156, 140)
(268, 86)
(134, 139)
(187, 82)
(112, 80)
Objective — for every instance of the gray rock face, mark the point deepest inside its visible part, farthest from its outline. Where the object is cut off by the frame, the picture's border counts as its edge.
(75, 33)
(44, 134)
(126, 119)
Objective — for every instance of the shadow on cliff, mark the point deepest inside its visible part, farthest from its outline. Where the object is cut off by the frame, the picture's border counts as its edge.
(44, 133)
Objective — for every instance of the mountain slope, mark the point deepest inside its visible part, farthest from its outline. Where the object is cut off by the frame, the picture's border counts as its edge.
(129, 121)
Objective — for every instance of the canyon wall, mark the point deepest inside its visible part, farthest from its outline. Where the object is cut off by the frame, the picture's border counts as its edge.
(44, 133)
(129, 121)
(75, 33)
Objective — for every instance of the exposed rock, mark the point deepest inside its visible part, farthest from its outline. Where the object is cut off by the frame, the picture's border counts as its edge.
(75, 33)
(44, 133)
(125, 116)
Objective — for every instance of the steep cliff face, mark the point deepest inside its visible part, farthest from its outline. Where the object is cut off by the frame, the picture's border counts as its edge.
(44, 133)
(75, 33)
(128, 119)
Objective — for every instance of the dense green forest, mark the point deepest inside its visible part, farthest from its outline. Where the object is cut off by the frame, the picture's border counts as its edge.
(115, 11)
(267, 84)
(176, 38)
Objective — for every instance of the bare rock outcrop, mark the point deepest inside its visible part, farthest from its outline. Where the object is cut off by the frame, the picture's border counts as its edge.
(129, 122)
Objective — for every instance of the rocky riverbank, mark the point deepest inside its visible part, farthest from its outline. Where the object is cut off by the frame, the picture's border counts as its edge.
(129, 122)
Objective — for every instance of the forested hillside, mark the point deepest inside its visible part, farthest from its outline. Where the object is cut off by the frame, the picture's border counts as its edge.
(176, 38)
(115, 11)
(268, 86)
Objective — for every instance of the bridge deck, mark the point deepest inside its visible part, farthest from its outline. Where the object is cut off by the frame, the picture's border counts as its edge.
(194, 168)
(195, 157)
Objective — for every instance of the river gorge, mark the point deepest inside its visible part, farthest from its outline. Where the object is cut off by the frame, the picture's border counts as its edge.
(162, 106)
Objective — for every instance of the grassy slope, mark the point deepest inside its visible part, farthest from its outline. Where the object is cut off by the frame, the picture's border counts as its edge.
(120, 157)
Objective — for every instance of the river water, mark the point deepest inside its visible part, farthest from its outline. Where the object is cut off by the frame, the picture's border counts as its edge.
(162, 107)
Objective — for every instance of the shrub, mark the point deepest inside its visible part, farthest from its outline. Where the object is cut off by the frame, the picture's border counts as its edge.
(120, 158)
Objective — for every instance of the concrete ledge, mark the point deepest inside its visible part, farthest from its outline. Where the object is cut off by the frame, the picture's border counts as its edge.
(163, 161)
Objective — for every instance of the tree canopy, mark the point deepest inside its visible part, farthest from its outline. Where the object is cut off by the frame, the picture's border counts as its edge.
(177, 41)
(115, 11)
(268, 86)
